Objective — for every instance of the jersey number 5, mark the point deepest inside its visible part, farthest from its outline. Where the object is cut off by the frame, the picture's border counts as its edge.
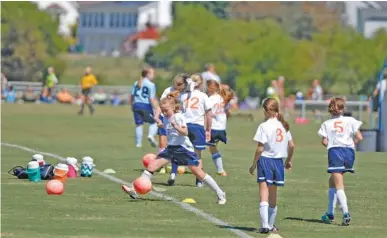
(191, 103)
(338, 125)
(280, 136)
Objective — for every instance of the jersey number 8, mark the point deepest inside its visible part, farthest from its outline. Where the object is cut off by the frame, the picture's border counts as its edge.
(144, 92)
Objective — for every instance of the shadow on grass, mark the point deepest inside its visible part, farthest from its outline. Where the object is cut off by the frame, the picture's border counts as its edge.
(176, 185)
(146, 199)
(304, 219)
(242, 228)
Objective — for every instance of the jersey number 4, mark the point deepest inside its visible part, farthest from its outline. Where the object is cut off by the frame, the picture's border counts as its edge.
(191, 103)
(280, 135)
(339, 127)
(144, 92)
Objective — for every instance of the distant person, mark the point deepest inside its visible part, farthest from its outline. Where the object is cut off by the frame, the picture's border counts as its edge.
(317, 95)
(10, 95)
(88, 81)
(115, 99)
(64, 96)
(51, 80)
(210, 74)
(143, 103)
(4, 83)
(381, 88)
(281, 91)
(29, 96)
(45, 97)
(100, 97)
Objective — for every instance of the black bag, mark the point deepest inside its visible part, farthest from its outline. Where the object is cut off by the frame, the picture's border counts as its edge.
(19, 172)
(46, 172)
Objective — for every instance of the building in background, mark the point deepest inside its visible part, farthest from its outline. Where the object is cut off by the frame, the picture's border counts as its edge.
(119, 27)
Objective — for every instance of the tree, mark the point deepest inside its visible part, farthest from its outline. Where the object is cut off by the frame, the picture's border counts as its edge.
(29, 41)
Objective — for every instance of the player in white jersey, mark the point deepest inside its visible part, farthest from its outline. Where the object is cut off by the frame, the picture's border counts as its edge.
(274, 144)
(339, 134)
(196, 108)
(220, 98)
(179, 84)
(179, 150)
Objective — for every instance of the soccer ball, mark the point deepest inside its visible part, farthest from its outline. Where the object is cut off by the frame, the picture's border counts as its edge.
(54, 187)
(147, 159)
(142, 185)
(181, 170)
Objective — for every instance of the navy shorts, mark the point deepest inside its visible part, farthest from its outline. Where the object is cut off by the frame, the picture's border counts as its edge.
(341, 160)
(197, 136)
(179, 155)
(143, 113)
(271, 171)
(161, 131)
(217, 135)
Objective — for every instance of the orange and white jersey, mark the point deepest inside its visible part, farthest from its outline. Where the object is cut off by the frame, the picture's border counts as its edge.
(274, 138)
(219, 117)
(340, 131)
(194, 105)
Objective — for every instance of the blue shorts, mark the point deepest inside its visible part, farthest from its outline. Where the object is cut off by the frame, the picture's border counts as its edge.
(341, 160)
(143, 113)
(216, 136)
(179, 155)
(161, 131)
(197, 136)
(271, 171)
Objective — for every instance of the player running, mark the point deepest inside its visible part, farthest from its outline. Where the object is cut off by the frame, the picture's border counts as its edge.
(339, 134)
(197, 111)
(179, 150)
(143, 101)
(274, 144)
(220, 98)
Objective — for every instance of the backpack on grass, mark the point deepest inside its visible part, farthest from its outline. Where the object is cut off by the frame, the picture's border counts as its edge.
(46, 172)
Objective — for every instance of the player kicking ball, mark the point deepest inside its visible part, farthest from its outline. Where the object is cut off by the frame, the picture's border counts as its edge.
(179, 150)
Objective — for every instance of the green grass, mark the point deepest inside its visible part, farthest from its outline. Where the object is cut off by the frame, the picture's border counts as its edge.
(109, 70)
(96, 207)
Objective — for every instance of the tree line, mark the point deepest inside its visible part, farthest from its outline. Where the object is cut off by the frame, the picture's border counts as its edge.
(250, 53)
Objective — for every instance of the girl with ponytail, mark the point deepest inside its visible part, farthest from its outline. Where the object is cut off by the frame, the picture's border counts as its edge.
(274, 143)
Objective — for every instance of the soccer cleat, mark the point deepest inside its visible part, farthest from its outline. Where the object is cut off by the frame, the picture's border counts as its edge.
(223, 174)
(171, 180)
(346, 219)
(274, 229)
(152, 141)
(129, 191)
(199, 183)
(222, 199)
(263, 230)
(328, 218)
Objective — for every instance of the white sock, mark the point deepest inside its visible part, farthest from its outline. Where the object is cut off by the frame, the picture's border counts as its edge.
(213, 185)
(152, 130)
(332, 199)
(147, 174)
(217, 158)
(272, 215)
(264, 212)
(139, 135)
(342, 198)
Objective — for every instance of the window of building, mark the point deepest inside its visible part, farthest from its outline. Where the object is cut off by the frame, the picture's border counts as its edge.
(83, 20)
(117, 20)
(102, 19)
(124, 16)
(89, 20)
(96, 19)
(111, 20)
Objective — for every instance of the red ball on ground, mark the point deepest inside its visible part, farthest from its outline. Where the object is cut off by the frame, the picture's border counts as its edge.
(54, 187)
(148, 158)
(142, 185)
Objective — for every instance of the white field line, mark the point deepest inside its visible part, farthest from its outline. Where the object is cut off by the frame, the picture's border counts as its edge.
(185, 206)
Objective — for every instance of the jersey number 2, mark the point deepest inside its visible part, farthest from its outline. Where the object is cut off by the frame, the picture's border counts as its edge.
(338, 125)
(192, 103)
(280, 136)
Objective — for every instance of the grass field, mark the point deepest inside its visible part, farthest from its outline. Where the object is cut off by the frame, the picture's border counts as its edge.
(96, 207)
